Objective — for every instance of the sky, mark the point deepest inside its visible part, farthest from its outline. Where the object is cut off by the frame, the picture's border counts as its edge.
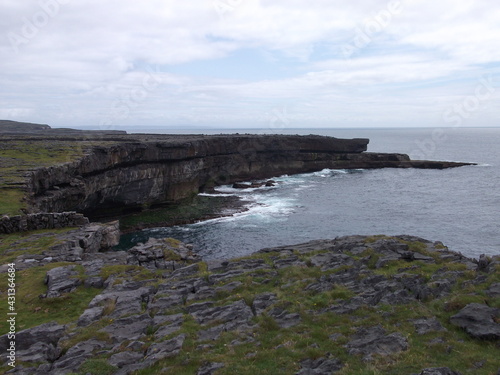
(269, 64)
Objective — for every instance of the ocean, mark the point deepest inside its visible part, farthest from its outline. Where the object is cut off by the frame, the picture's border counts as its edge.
(458, 206)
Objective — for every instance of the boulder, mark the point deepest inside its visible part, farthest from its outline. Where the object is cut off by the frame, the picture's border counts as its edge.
(165, 349)
(375, 340)
(125, 358)
(479, 321)
(237, 312)
(174, 325)
(76, 355)
(61, 280)
(48, 333)
(438, 371)
(90, 316)
(320, 366)
(494, 290)
(129, 328)
(211, 334)
(209, 368)
(239, 185)
(284, 318)
(125, 302)
(39, 352)
(262, 301)
(423, 326)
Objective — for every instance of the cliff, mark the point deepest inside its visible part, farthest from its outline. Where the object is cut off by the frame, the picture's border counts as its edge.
(17, 127)
(124, 172)
(8, 126)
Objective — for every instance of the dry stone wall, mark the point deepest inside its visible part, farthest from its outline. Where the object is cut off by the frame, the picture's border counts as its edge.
(51, 220)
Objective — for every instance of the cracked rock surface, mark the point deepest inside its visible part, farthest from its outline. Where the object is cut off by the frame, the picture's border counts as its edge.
(316, 308)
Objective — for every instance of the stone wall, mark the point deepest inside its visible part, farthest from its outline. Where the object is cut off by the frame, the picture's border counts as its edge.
(52, 220)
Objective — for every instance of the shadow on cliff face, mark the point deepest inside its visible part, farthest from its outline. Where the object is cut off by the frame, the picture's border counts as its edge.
(191, 210)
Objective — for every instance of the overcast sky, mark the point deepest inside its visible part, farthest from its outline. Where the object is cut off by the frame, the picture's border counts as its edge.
(250, 63)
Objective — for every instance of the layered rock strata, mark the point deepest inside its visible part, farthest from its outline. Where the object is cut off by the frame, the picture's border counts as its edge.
(137, 171)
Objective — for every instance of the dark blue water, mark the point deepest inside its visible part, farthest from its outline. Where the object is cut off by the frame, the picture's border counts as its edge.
(459, 206)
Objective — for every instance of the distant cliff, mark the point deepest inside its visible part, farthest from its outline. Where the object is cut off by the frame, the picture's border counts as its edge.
(7, 126)
(124, 172)
(16, 127)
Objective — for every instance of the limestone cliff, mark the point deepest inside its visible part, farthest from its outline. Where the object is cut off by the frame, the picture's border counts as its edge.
(124, 172)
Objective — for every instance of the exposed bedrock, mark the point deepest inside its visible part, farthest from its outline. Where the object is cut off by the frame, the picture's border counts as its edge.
(144, 170)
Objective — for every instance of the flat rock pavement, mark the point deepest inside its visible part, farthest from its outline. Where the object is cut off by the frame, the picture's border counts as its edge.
(198, 314)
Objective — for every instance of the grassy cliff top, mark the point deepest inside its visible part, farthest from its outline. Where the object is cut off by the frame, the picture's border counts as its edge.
(21, 154)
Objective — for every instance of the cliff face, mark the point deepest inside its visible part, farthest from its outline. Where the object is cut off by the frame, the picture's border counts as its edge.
(143, 170)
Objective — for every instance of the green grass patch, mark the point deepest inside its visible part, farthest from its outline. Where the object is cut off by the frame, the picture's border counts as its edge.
(34, 242)
(90, 332)
(97, 367)
(11, 201)
(33, 311)
(129, 272)
(18, 157)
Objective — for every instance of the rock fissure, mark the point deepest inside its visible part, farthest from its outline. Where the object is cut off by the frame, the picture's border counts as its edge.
(347, 310)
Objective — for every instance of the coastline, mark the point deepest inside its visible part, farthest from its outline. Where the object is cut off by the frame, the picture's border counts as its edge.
(297, 309)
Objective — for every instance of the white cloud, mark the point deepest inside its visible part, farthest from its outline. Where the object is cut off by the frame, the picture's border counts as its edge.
(70, 63)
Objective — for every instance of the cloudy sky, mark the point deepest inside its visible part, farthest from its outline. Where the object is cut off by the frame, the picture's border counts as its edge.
(250, 63)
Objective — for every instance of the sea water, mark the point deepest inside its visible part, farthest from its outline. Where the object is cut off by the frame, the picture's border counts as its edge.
(458, 206)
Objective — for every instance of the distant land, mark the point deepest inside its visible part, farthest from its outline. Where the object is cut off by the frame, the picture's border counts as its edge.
(8, 126)
(16, 127)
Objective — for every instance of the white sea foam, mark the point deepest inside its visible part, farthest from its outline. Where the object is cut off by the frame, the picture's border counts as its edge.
(450, 207)
(229, 190)
(217, 195)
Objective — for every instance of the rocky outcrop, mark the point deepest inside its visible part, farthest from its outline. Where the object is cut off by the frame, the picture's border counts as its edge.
(318, 307)
(72, 246)
(479, 320)
(130, 172)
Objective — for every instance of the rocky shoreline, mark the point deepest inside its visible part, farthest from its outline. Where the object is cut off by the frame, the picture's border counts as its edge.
(350, 305)
(396, 305)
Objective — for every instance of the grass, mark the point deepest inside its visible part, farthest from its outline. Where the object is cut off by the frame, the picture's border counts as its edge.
(33, 310)
(34, 242)
(129, 273)
(280, 351)
(18, 157)
(97, 367)
(269, 349)
(11, 201)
